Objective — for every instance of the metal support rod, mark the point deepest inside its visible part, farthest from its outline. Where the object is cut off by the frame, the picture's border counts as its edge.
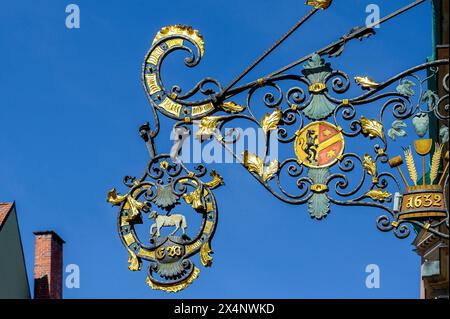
(357, 33)
(265, 54)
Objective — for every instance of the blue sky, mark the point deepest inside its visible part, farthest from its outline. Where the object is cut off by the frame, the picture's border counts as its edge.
(70, 106)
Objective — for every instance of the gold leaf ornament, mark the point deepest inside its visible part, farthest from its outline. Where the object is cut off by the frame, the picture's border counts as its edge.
(132, 205)
(207, 127)
(205, 255)
(270, 171)
(254, 164)
(319, 4)
(194, 199)
(379, 195)
(232, 107)
(134, 262)
(270, 121)
(366, 82)
(373, 128)
(216, 181)
(371, 167)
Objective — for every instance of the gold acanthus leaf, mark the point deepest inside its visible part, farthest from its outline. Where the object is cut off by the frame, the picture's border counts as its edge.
(379, 195)
(232, 107)
(207, 127)
(182, 30)
(319, 4)
(132, 205)
(216, 181)
(270, 120)
(254, 164)
(271, 170)
(115, 198)
(366, 82)
(134, 262)
(194, 199)
(205, 255)
(371, 167)
(373, 128)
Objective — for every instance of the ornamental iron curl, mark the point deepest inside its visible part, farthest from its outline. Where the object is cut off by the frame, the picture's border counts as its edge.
(313, 115)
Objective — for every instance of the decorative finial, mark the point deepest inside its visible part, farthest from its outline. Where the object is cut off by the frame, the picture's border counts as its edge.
(319, 4)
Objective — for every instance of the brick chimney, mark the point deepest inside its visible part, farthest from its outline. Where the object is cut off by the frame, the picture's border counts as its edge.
(48, 265)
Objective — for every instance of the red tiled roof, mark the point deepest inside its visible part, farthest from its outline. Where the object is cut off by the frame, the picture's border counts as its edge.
(5, 208)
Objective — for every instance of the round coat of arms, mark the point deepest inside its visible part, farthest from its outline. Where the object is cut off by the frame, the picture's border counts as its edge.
(319, 144)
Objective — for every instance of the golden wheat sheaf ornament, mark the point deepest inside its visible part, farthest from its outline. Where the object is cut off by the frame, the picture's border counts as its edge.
(424, 200)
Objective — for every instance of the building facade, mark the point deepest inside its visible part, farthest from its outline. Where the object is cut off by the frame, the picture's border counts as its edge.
(434, 250)
(13, 273)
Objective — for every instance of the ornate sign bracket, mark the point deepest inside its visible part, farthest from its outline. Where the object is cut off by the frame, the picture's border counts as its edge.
(311, 113)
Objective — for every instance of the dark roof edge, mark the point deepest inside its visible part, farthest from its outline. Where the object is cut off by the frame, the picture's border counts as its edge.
(50, 232)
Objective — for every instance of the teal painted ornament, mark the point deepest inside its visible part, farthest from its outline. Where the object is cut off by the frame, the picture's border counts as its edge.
(443, 134)
(421, 122)
(397, 129)
(316, 70)
(318, 204)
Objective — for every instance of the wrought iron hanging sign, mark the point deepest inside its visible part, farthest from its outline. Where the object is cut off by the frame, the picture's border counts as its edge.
(310, 111)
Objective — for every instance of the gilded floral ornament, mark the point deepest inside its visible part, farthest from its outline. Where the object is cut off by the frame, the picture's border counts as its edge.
(164, 164)
(379, 195)
(205, 255)
(132, 205)
(181, 30)
(232, 107)
(270, 121)
(373, 128)
(319, 4)
(207, 127)
(271, 170)
(255, 164)
(135, 263)
(216, 181)
(371, 167)
(366, 82)
(195, 199)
